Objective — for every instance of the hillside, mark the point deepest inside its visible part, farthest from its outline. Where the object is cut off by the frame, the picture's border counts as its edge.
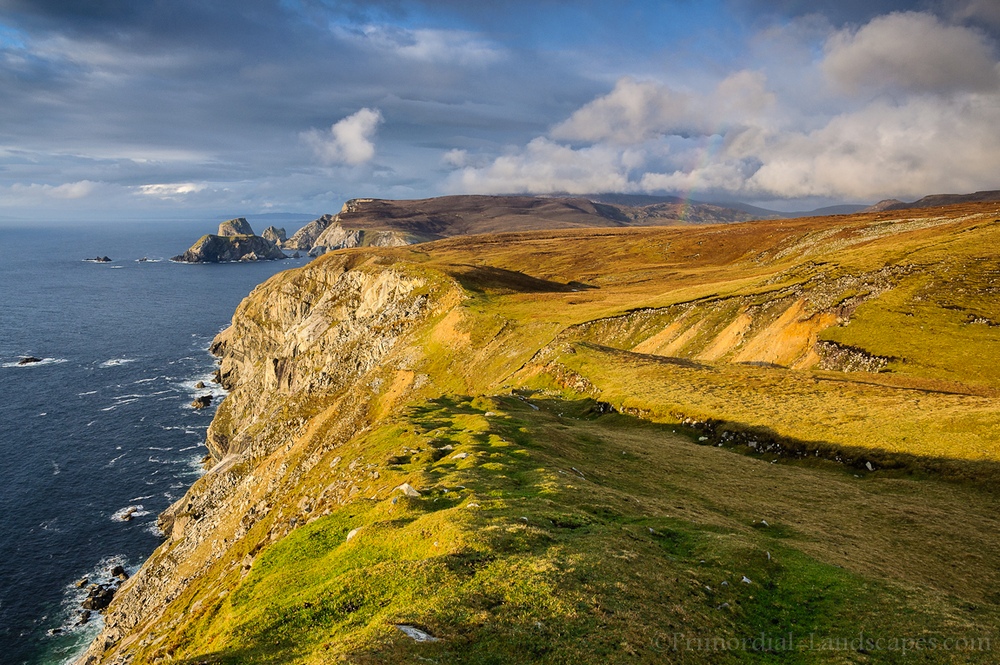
(599, 445)
(387, 223)
(937, 200)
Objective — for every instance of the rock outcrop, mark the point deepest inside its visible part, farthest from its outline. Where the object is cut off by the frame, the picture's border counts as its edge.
(275, 235)
(235, 227)
(225, 249)
(305, 238)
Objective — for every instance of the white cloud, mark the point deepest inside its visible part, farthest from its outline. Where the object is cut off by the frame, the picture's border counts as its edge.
(546, 166)
(740, 139)
(37, 191)
(170, 191)
(349, 140)
(636, 111)
(910, 51)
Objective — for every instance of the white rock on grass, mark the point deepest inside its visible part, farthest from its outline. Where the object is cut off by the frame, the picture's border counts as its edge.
(408, 490)
(352, 533)
(416, 634)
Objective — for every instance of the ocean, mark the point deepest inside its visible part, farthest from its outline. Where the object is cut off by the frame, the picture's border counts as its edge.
(103, 426)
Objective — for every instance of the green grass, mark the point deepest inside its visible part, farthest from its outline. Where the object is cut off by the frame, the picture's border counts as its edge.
(597, 538)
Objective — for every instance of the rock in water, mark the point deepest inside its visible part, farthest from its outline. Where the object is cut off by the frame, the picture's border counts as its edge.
(202, 401)
(99, 598)
(224, 249)
(274, 234)
(29, 360)
(235, 227)
(200, 385)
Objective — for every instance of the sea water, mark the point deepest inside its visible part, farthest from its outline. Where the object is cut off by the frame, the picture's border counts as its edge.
(103, 426)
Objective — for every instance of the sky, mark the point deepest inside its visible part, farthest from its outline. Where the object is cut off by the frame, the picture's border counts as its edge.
(133, 109)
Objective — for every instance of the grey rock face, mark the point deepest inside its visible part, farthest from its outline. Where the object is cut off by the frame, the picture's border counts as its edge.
(235, 227)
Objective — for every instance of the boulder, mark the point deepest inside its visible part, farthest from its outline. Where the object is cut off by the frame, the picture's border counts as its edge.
(28, 360)
(202, 401)
(99, 598)
(235, 227)
(200, 385)
(119, 572)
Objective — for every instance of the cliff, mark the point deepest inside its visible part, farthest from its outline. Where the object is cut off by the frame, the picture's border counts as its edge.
(572, 445)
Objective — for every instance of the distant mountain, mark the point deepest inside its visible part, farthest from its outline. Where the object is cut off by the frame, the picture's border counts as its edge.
(935, 200)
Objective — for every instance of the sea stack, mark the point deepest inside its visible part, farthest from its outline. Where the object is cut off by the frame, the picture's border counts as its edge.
(235, 241)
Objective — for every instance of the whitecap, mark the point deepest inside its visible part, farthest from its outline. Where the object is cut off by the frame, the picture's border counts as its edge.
(115, 362)
(110, 408)
(142, 498)
(55, 468)
(89, 392)
(112, 462)
(127, 513)
(160, 449)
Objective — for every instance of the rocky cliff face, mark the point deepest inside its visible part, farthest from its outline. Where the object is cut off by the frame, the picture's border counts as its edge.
(337, 237)
(306, 356)
(275, 235)
(236, 227)
(305, 238)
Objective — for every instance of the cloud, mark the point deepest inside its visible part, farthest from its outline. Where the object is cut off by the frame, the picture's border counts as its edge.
(910, 51)
(936, 132)
(636, 111)
(349, 140)
(37, 191)
(170, 191)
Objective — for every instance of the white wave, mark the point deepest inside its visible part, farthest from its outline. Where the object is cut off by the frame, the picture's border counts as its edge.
(43, 414)
(160, 449)
(89, 392)
(43, 361)
(114, 267)
(112, 462)
(110, 408)
(55, 468)
(129, 512)
(142, 498)
(189, 448)
(115, 362)
(91, 423)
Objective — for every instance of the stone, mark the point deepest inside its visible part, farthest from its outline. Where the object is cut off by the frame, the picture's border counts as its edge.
(200, 385)
(29, 360)
(416, 634)
(99, 598)
(408, 490)
(119, 572)
(202, 401)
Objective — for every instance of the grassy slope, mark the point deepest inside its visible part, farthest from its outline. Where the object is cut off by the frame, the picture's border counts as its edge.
(568, 536)
(613, 559)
